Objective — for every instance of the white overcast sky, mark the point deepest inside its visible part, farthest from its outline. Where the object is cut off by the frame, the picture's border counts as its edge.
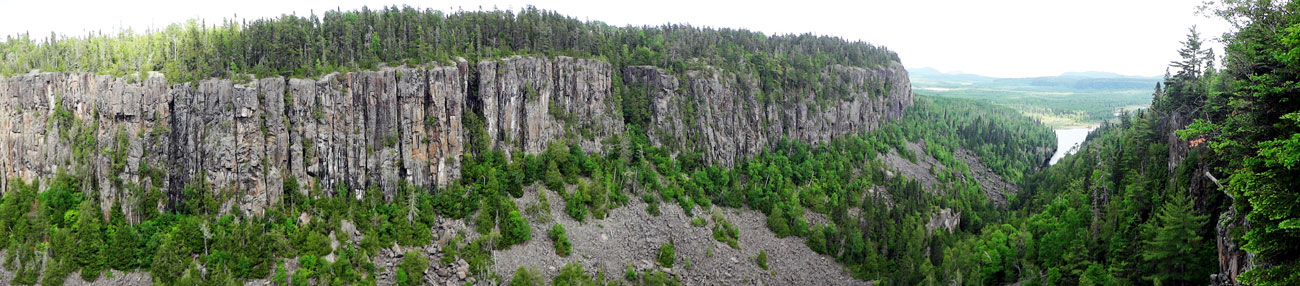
(1007, 38)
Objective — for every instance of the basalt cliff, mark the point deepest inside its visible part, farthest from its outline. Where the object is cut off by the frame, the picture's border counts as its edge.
(391, 125)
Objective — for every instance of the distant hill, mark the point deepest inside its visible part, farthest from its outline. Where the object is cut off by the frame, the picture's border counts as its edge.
(1070, 99)
(936, 75)
(1070, 80)
(1097, 74)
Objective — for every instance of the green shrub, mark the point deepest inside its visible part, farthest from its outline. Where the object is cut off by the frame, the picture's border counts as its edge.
(313, 243)
(598, 199)
(666, 255)
(817, 240)
(516, 230)
(557, 231)
(525, 277)
(123, 244)
(576, 204)
(562, 245)
(281, 277)
(414, 264)
(484, 222)
(653, 208)
(572, 275)
(90, 241)
(630, 275)
(302, 276)
(171, 259)
(724, 231)
(761, 259)
(540, 210)
(658, 277)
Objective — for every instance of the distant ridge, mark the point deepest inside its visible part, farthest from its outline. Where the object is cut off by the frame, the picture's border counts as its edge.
(930, 72)
(1097, 74)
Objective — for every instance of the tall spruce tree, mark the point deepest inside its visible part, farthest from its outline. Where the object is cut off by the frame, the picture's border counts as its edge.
(1174, 244)
(90, 240)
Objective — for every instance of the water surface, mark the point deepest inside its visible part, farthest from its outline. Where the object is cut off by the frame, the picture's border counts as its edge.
(1067, 141)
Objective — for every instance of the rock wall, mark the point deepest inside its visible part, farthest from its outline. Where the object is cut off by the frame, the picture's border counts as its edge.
(379, 128)
(529, 102)
(243, 140)
(720, 113)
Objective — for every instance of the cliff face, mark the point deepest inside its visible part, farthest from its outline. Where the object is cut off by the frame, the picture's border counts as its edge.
(529, 102)
(378, 128)
(721, 113)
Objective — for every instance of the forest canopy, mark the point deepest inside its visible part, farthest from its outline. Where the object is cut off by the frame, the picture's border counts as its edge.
(312, 45)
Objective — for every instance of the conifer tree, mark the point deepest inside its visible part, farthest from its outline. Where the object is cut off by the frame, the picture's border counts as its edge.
(1173, 245)
(90, 237)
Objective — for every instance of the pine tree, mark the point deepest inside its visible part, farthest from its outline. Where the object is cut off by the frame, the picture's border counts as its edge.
(1173, 245)
(122, 248)
(90, 249)
(777, 222)
(525, 277)
(553, 179)
(170, 260)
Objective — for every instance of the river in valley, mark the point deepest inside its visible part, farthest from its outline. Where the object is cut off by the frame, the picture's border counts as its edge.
(1068, 141)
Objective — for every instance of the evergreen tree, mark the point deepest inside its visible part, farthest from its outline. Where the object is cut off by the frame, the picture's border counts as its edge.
(413, 265)
(170, 261)
(122, 248)
(525, 277)
(553, 179)
(1175, 242)
(778, 223)
(90, 237)
(516, 229)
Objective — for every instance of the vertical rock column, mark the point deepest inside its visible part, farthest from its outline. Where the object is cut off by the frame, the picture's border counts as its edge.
(272, 91)
(348, 149)
(412, 97)
(250, 150)
(385, 133)
(30, 142)
(127, 114)
(301, 131)
(374, 94)
(447, 87)
(183, 154)
(530, 102)
(156, 117)
(582, 93)
(216, 136)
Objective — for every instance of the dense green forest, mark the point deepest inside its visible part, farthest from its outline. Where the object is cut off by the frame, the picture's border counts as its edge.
(785, 182)
(1130, 210)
